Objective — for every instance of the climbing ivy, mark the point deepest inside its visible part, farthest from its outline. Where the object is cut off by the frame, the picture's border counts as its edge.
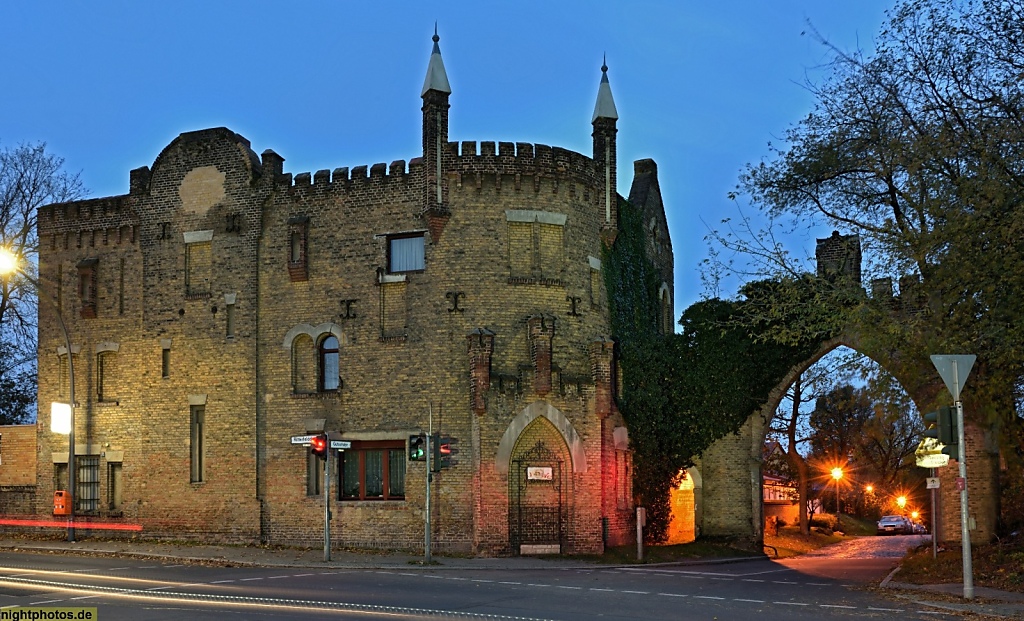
(680, 392)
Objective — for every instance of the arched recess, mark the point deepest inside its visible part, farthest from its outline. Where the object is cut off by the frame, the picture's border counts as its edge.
(687, 508)
(523, 420)
(666, 309)
(314, 332)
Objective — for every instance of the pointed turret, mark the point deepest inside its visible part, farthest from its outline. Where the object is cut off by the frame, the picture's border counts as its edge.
(605, 116)
(437, 77)
(435, 142)
(605, 106)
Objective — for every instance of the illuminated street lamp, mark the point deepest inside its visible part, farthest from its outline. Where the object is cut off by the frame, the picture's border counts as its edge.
(914, 515)
(902, 502)
(837, 473)
(62, 414)
(869, 489)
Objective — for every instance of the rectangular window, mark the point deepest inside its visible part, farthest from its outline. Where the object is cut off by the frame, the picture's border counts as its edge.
(115, 483)
(373, 471)
(198, 258)
(165, 362)
(405, 254)
(314, 475)
(230, 320)
(298, 248)
(87, 287)
(120, 289)
(198, 437)
(60, 290)
(105, 372)
(87, 483)
(60, 476)
(63, 379)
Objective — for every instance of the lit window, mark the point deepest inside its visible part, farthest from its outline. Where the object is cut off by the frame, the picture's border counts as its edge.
(373, 471)
(87, 483)
(329, 379)
(405, 254)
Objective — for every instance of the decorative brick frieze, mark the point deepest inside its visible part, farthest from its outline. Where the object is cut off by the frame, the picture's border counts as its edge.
(481, 345)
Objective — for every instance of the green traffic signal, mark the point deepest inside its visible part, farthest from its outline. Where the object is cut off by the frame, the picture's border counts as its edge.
(942, 427)
(417, 448)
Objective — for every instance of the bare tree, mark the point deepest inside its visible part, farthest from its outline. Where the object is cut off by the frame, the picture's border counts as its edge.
(29, 178)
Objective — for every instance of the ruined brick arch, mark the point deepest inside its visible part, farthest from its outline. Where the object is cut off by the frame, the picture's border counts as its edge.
(522, 421)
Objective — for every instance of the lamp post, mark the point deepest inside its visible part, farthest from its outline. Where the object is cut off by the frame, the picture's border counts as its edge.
(837, 473)
(9, 265)
(902, 502)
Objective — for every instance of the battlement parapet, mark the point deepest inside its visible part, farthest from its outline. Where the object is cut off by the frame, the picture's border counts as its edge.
(88, 223)
(521, 159)
(342, 179)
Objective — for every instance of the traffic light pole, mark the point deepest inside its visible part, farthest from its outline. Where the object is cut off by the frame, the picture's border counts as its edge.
(430, 475)
(327, 503)
(965, 530)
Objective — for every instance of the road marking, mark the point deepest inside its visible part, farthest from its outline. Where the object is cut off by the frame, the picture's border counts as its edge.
(221, 581)
(512, 583)
(325, 573)
(597, 589)
(817, 584)
(752, 580)
(145, 567)
(837, 606)
(250, 579)
(302, 575)
(160, 588)
(49, 601)
(752, 601)
(672, 595)
(86, 597)
(572, 587)
(782, 582)
(533, 585)
(885, 609)
(169, 566)
(791, 603)
(707, 597)
(483, 581)
(118, 568)
(457, 578)
(725, 579)
(638, 592)
(277, 577)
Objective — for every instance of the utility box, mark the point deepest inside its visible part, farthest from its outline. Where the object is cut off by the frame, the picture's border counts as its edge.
(61, 503)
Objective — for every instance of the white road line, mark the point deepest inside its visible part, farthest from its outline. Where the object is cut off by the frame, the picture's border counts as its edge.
(325, 573)
(483, 581)
(277, 577)
(49, 601)
(791, 603)
(513, 583)
(817, 584)
(782, 582)
(160, 588)
(752, 601)
(885, 609)
(533, 585)
(672, 594)
(837, 606)
(169, 566)
(249, 579)
(302, 575)
(221, 581)
(707, 597)
(118, 568)
(572, 587)
(145, 567)
(752, 580)
(638, 592)
(83, 597)
(596, 589)
(725, 579)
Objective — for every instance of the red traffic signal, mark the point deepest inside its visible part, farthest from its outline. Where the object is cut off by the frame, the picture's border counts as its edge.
(318, 445)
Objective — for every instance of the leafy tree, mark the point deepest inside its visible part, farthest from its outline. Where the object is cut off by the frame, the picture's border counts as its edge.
(918, 147)
(29, 178)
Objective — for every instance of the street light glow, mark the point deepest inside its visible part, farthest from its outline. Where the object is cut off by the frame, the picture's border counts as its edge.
(837, 473)
(8, 262)
(869, 488)
(902, 501)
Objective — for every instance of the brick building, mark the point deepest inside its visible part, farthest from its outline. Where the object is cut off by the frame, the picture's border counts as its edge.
(223, 305)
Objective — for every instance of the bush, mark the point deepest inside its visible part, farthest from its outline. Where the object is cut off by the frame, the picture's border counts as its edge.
(824, 520)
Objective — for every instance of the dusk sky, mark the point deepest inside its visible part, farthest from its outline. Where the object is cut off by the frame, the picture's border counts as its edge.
(700, 87)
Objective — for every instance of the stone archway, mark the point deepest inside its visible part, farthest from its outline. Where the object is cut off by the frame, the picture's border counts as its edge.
(539, 490)
(687, 503)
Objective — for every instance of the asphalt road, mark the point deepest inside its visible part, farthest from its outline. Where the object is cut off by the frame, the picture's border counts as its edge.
(815, 587)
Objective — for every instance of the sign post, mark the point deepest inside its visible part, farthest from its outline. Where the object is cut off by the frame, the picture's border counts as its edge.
(327, 505)
(954, 371)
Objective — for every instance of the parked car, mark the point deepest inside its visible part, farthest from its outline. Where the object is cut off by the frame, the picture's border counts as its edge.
(920, 529)
(894, 525)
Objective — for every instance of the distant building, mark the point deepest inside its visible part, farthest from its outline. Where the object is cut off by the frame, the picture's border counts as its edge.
(223, 306)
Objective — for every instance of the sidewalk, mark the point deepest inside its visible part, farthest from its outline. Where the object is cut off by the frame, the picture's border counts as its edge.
(990, 602)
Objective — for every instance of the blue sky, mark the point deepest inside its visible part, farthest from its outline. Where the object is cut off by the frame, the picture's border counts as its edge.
(701, 87)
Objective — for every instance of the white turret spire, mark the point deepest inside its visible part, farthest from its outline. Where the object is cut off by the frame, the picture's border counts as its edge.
(437, 77)
(605, 107)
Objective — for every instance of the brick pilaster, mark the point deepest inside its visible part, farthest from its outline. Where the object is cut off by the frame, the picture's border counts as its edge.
(541, 331)
(602, 356)
(481, 345)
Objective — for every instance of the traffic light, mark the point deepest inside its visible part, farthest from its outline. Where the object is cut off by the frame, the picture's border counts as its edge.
(418, 448)
(318, 445)
(942, 427)
(444, 450)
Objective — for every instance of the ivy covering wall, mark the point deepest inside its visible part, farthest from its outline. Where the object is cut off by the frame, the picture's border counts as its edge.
(680, 392)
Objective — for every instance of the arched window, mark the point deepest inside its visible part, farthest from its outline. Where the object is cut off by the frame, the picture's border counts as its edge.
(329, 379)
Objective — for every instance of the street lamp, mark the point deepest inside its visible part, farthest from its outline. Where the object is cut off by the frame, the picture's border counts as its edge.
(9, 265)
(902, 502)
(837, 473)
(869, 488)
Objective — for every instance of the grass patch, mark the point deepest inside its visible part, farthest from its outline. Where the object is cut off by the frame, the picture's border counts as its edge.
(703, 548)
(790, 542)
(995, 565)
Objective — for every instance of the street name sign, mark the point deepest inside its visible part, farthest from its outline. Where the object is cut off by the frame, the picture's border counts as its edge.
(303, 439)
(340, 444)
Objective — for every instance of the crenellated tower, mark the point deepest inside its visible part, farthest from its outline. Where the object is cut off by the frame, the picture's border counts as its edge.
(435, 142)
(605, 117)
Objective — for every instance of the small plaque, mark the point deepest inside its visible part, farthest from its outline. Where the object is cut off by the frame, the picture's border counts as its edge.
(536, 473)
(932, 483)
(961, 483)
